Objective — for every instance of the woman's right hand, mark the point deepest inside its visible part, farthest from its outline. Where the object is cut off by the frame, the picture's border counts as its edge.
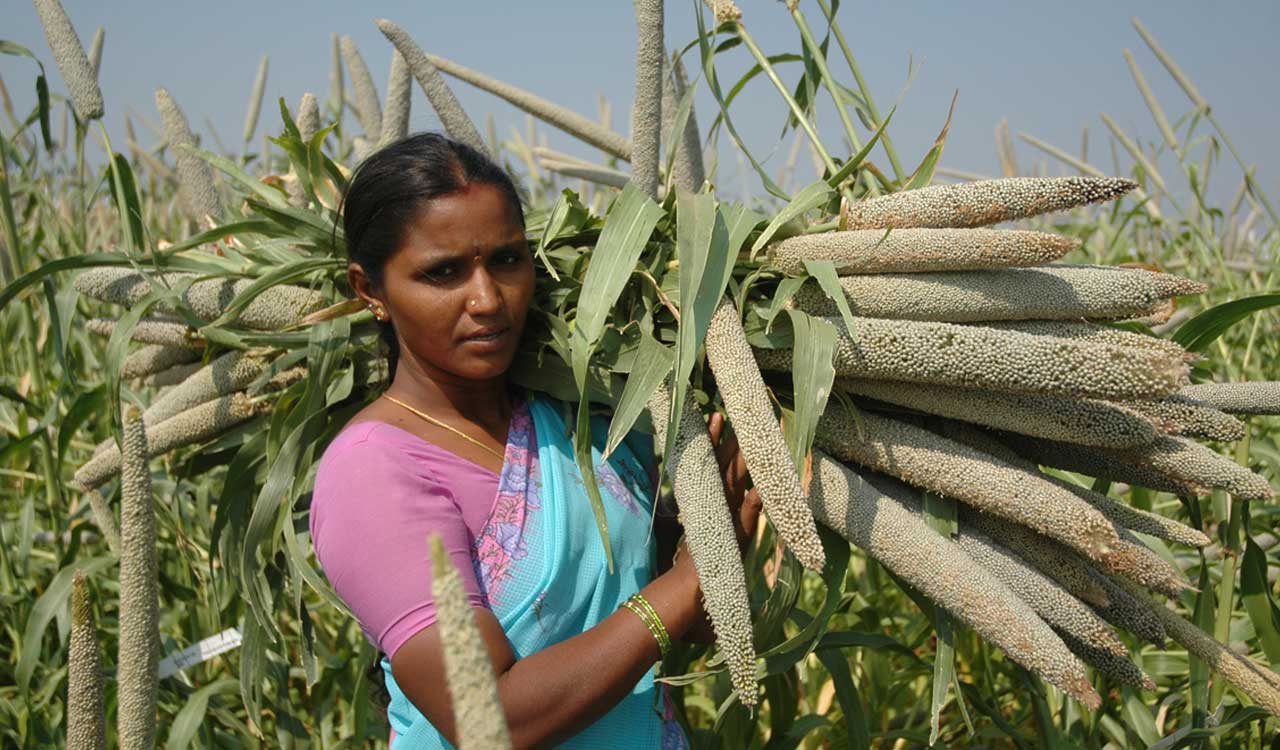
(744, 504)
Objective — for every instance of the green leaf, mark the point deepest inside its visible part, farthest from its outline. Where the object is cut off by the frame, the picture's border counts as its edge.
(625, 233)
(188, 721)
(1255, 595)
(824, 272)
(812, 374)
(940, 515)
(582, 454)
(42, 106)
(706, 263)
(924, 173)
(281, 275)
(652, 363)
(856, 160)
(1197, 334)
(784, 595)
(17, 50)
(1202, 616)
(837, 663)
(129, 206)
(1138, 717)
(86, 405)
(713, 84)
(789, 653)
(567, 213)
(812, 196)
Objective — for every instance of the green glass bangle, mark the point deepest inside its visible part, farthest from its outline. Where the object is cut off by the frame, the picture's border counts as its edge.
(641, 607)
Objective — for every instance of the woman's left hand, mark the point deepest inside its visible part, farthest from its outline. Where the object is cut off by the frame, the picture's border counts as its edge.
(744, 504)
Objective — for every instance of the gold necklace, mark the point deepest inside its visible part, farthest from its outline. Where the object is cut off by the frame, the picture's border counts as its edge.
(438, 423)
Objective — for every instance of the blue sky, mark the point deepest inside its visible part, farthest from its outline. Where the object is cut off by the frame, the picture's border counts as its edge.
(1050, 69)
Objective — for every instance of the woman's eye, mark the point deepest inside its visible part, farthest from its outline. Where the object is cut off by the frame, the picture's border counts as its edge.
(440, 272)
(509, 258)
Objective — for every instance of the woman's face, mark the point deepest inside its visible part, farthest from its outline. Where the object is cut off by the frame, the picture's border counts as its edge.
(458, 287)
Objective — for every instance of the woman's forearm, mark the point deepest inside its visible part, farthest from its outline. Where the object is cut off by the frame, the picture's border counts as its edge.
(553, 694)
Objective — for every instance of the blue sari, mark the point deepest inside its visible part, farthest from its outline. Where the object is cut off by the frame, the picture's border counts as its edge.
(540, 563)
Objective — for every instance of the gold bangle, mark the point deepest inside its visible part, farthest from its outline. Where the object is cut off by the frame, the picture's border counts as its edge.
(644, 610)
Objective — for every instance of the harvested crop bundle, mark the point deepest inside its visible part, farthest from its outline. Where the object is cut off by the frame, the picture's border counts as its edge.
(478, 715)
(139, 647)
(976, 204)
(765, 449)
(196, 425)
(1084, 421)
(1050, 600)
(1136, 519)
(976, 357)
(1258, 682)
(1116, 667)
(172, 376)
(1124, 610)
(1133, 519)
(86, 717)
(231, 372)
(859, 251)
(1259, 397)
(1044, 293)
(1168, 464)
(275, 308)
(1094, 463)
(153, 358)
(927, 460)
(1177, 414)
(708, 527)
(1135, 561)
(889, 528)
(1092, 332)
(1054, 560)
(164, 331)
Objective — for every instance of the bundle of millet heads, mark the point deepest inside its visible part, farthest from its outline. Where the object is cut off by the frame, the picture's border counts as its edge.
(204, 395)
(975, 359)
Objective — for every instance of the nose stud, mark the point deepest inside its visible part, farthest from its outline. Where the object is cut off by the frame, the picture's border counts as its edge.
(472, 303)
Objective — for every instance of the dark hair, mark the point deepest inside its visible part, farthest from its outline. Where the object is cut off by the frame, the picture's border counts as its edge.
(391, 186)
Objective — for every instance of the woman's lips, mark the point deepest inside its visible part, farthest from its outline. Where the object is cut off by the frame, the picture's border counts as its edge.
(492, 341)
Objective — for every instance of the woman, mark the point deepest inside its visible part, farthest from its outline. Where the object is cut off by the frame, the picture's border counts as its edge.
(435, 233)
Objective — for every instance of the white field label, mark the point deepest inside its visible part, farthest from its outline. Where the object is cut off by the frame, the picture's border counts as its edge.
(199, 652)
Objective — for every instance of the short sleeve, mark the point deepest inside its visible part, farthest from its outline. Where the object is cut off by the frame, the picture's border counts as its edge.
(372, 510)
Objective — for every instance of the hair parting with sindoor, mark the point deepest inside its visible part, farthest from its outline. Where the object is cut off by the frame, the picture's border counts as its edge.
(385, 193)
(390, 187)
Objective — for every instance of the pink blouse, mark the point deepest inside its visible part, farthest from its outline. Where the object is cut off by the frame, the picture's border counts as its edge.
(380, 491)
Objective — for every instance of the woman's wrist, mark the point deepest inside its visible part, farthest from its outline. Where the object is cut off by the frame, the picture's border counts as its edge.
(676, 599)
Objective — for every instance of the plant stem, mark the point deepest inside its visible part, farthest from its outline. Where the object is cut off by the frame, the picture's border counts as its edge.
(864, 90)
(805, 125)
(832, 87)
